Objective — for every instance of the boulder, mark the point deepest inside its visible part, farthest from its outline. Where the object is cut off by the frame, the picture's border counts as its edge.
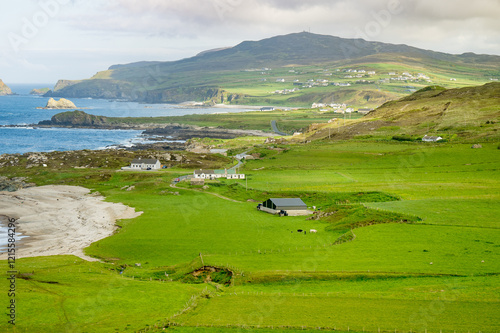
(63, 103)
(13, 184)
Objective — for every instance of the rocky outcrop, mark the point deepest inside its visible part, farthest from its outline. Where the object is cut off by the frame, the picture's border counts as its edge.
(76, 119)
(40, 91)
(63, 103)
(4, 89)
(14, 184)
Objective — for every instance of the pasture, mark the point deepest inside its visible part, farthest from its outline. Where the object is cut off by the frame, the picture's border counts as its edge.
(425, 259)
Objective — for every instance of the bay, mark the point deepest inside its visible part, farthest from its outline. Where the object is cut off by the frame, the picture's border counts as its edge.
(21, 109)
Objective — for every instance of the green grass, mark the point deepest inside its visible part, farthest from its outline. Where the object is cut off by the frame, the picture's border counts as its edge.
(459, 212)
(345, 314)
(292, 120)
(437, 271)
(65, 293)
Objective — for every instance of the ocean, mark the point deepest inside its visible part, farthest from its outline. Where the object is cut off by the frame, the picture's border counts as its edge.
(21, 109)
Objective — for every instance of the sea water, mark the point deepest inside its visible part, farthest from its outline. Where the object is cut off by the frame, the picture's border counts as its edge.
(21, 109)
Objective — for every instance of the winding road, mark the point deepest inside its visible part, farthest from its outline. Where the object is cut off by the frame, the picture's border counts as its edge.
(276, 130)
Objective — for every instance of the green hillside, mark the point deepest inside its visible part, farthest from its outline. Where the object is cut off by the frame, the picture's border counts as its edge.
(471, 113)
(253, 73)
(410, 245)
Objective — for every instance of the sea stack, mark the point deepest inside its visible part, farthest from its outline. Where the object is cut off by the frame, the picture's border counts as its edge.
(4, 89)
(63, 103)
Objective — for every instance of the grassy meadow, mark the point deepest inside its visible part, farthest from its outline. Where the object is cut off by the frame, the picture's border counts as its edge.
(411, 244)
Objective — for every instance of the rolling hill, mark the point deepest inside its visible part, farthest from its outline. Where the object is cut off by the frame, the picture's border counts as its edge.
(470, 113)
(268, 71)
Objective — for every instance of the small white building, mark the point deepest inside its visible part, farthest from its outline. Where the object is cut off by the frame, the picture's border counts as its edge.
(427, 138)
(215, 174)
(145, 164)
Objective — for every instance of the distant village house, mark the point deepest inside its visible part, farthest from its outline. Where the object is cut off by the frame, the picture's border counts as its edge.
(215, 174)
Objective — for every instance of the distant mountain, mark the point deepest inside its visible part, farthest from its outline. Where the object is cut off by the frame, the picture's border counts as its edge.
(4, 89)
(209, 75)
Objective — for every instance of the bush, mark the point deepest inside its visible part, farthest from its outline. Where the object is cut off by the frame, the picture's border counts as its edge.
(402, 138)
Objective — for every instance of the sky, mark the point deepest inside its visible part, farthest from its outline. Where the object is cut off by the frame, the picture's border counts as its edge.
(42, 41)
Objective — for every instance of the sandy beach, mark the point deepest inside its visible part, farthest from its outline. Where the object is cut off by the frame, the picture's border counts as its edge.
(60, 219)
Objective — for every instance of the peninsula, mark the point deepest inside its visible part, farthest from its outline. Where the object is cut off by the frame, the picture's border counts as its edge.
(40, 91)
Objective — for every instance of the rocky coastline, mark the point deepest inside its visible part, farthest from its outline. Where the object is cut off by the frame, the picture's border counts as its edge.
(160, 137)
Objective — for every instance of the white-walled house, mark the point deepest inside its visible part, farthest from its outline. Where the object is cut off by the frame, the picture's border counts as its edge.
(214, 174)
(145, 164)
(427, 138)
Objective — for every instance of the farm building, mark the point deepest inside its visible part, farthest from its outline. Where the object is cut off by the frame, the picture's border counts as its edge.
(284, 206)
(144, 164)
(427, 138)
(214, 174)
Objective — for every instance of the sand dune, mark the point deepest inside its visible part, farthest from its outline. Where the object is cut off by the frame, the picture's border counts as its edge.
(60, 219)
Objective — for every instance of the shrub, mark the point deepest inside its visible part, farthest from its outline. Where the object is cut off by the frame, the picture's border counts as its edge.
(402, 138)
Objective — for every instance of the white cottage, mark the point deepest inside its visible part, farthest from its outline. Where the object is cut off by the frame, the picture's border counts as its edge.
(214, 174)
(145, 164)
(427, 138)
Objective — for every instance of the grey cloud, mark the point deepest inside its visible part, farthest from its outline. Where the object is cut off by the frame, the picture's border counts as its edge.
(232, 20)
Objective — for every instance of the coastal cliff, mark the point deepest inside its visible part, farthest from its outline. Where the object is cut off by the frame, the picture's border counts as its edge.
(114, 89)
(4, 89)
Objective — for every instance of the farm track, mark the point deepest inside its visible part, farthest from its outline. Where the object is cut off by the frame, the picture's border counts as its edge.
(214, 194)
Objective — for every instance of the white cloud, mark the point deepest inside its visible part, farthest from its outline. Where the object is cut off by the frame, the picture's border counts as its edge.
(103, 32)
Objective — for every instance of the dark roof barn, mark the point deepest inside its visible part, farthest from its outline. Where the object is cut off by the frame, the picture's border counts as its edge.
(285, 204)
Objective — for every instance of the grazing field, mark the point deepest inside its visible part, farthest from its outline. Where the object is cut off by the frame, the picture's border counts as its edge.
(411, 243)
(288, 120)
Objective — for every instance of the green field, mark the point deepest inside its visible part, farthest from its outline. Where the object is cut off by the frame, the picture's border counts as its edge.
(412, 245)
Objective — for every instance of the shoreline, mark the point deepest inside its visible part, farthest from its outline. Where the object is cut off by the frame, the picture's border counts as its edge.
(60, 219)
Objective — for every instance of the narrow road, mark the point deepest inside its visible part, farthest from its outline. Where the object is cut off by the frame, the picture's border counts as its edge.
(276, 130)
(215, 194)
(239, 157)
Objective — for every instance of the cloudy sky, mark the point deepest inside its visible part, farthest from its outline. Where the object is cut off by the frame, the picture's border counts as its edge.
(42, 41)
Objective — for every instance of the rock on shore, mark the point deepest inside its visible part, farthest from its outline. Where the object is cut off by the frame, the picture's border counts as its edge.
(14, 184)
(63, 103)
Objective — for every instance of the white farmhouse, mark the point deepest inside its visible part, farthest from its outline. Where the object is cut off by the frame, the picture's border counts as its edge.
(214, 174)
(427, 138)
(145, 164)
